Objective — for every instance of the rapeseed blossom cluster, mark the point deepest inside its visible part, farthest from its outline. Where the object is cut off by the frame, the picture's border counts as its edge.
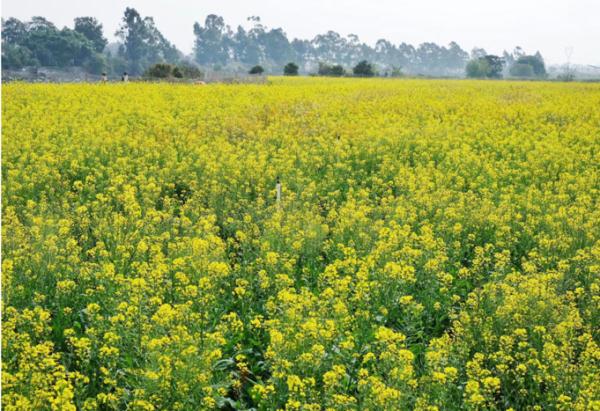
(436, 246)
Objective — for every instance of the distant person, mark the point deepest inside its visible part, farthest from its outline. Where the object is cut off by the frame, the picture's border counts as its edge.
(104, 78)
(125, 77)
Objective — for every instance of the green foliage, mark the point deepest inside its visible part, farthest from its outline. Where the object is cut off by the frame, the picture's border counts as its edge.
(62, 48)
(477, 68)
(521, 70)
(39, 43)
(177, 72)
(333, 71)
(165, 71)
(160, 70)
(495, 64)
(209, 45)
(397, 72)
(143, 44)
(219, 47)
(14, 31)
(488, 66)
(190, 71)
(16, 57)
(363, 69)
(290, 69)
(536, 62)
(256, 70)
(337, 70)
(92, 30)
(566, 77)
(95, 64)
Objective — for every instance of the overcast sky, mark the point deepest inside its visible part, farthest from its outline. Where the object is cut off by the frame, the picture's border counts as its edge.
(550, 26)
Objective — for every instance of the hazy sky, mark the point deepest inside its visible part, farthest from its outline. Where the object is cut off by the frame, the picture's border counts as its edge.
(550, 26)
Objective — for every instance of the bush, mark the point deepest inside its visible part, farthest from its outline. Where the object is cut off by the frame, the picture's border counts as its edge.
(489, 66)
(190, 71)
(521, 70)
(16, 57)
(536, 62)
(159, 70)
(256, 70)
(337, 71)
(334, 71)
(397, 72)
(290, 69)
(164, 70)
(177, 72)
(95, 64)
(566, 77)
(363, 69)
(477, 68)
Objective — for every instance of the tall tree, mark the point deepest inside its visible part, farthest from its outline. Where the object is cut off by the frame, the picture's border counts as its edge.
(536, 62)
(14, 31)
(143, 44)
(159, 48)
(213, 41)
(134, 34)
(92, 30)
(277, 47)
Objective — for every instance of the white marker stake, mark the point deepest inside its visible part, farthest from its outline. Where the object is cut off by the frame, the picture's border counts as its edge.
(278, 189)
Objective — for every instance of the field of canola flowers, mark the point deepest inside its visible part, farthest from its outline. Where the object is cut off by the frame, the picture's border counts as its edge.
(437, 246)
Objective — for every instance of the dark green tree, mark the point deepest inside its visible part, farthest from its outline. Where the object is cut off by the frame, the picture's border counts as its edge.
(143, 44)
(177, 73)
(134, 34)
(159, 48)
(290, 69)
(327, 70)
(337, 70)
(536, 62)
(40, 23)
(496, 65)
(60, 48)
(14, 31)
(277, 47)
(477, 68)
(16, 57)
(363, 69)
(324, 69)
(190, 71)
(14, 54)
(213, 41)
(96, 63)
(92, 30)
(159, 70)
(521, 70)
(256, 70)
(488, 66)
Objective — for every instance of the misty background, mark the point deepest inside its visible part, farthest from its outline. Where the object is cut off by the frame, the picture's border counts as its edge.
(549, 26)
(431, 38)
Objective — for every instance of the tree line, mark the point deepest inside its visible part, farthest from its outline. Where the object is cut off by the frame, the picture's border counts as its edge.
(217, 46)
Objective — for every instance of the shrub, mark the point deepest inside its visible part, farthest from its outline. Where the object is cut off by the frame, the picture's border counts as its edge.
(363, 69)
(536, 62)
(159, 70)
(333, 71)
(177, 72)
(397, 72)
(190, 71)
(290, 69)
(256, 70)
(521, 70)
(489, 66)
(477, 68)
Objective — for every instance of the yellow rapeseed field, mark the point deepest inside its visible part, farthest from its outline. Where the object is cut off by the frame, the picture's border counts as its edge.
(436, 246)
